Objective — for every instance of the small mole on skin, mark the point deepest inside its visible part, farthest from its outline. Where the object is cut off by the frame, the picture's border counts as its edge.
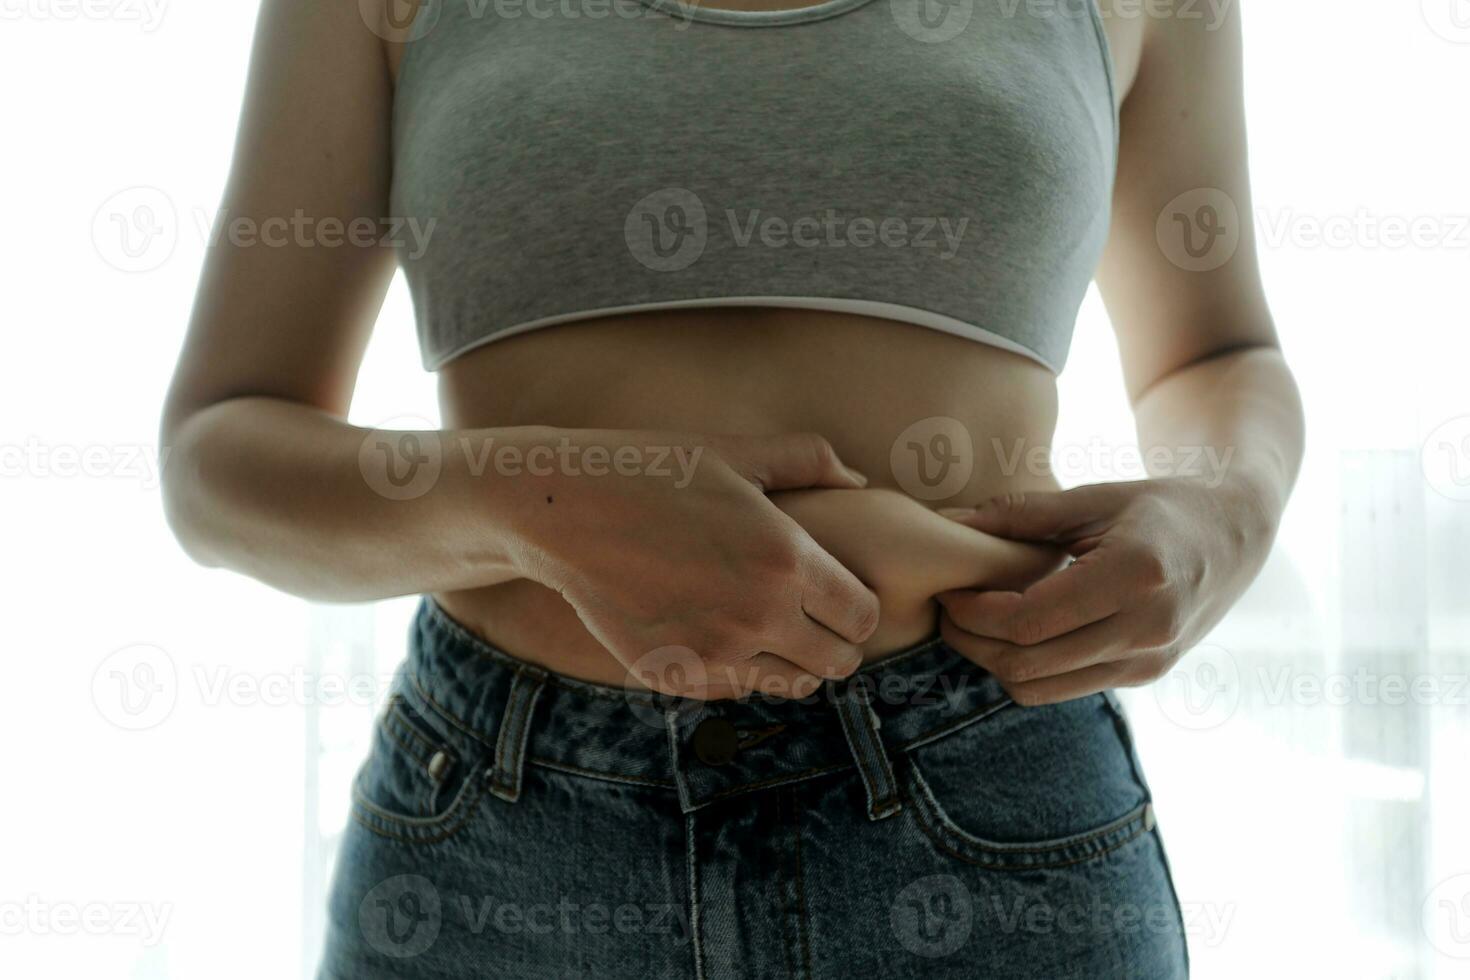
(548, 500)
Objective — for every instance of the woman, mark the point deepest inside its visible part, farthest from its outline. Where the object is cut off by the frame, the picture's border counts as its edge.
(727, 304)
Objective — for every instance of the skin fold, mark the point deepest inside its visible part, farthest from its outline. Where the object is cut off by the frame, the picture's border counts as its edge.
(777, 562)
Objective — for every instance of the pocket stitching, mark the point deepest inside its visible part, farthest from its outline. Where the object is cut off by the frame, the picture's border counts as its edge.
(420, 830)
(950, 838)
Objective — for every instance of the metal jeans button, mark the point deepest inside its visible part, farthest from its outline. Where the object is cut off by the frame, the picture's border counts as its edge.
(716, 742)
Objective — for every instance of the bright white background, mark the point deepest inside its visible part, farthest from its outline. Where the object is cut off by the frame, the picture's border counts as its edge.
(1317, 827)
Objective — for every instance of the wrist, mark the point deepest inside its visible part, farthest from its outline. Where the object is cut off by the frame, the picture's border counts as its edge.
(501, 482)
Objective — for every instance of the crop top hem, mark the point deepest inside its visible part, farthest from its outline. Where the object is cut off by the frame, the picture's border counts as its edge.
(888, 311)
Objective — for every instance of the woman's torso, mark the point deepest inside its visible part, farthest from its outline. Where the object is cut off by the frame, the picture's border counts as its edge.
(942, 419)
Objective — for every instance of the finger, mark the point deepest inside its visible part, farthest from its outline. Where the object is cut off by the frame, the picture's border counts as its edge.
(1092, 588)
(1099, 643)
(1045, 515)
(792, 462)
(817, 650)
(1069, 687)
(765, 673)
(835, 598)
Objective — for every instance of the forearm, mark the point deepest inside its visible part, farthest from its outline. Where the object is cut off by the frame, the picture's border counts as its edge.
(1234, 422)
(289, 495)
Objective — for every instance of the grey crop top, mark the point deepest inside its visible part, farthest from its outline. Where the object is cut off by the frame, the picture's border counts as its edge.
(943, 164)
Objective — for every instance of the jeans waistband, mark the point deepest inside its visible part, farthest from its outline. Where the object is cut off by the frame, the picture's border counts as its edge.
(515, 714)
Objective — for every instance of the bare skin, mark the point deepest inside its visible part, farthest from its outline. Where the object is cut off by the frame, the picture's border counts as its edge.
(777, 565)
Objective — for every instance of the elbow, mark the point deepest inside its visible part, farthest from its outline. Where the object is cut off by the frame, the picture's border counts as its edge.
(182, 490)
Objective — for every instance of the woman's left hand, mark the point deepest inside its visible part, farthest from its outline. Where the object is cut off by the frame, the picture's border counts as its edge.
(1157, 564)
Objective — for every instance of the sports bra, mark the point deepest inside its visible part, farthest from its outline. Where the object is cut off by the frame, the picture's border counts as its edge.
(947, 163)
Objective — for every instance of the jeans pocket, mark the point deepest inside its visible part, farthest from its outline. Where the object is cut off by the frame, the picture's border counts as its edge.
(418, 784)
(1030, 787)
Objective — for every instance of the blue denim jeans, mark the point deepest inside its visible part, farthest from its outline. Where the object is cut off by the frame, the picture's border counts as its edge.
(910, 822)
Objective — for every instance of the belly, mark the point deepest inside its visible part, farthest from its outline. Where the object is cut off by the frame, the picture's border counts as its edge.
(932, 420)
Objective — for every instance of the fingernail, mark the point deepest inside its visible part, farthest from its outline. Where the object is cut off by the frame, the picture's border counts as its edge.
(862, 480)
(956, 513)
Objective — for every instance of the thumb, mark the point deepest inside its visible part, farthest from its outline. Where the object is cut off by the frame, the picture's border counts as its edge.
(1057, 516)
(791, 462)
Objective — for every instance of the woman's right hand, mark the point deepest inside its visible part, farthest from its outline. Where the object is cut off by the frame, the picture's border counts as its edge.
(678, 563)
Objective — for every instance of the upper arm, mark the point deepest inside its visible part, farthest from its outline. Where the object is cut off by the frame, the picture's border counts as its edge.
(1180, 275)
(286, 300)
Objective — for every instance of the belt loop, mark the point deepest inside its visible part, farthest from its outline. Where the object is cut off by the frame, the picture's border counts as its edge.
(515, 726)
(860, 726)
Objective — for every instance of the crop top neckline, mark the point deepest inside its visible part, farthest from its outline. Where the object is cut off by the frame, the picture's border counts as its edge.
(753, 18)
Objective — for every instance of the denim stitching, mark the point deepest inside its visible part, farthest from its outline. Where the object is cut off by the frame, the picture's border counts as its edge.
(389, 728)
(392, 826)
(691, 858)
(572, 770)
(930, 819)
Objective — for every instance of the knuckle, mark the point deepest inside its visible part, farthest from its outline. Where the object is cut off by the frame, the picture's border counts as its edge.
(1152, 571)
(1012, 669)
(866, 614)
(1166, 627)
(1026, 628)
